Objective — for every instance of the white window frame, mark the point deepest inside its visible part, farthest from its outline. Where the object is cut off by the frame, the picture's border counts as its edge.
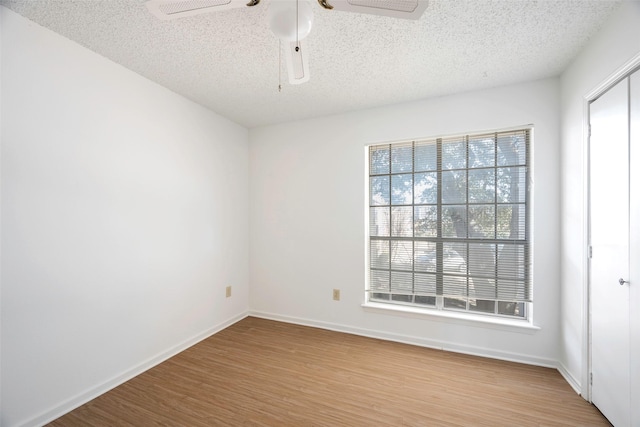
(440, 305)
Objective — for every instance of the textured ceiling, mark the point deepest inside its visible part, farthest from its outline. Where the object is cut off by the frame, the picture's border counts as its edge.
(228, 60)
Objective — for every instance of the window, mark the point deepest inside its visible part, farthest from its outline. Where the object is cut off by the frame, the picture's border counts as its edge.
(449, 224)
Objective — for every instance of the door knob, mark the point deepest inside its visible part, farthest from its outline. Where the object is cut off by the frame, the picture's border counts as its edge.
(622, 281)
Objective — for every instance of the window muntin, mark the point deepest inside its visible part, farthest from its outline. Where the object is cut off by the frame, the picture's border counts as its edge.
(448, 223)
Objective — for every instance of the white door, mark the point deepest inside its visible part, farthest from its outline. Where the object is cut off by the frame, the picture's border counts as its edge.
(609, 235)
(634, 252)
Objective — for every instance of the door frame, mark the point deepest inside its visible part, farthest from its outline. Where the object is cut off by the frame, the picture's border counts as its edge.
(626, 70)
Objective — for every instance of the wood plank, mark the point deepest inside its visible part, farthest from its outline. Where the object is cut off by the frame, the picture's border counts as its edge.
(265, 373)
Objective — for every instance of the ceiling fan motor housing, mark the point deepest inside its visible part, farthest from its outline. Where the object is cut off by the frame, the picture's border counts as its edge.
(290, 20)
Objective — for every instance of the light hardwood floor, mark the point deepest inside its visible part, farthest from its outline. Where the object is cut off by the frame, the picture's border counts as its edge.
(265, 373)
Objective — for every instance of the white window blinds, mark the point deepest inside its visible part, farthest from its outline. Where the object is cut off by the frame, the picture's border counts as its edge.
(448, 223)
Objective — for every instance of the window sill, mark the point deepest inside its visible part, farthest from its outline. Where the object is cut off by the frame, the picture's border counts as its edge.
(465, 319)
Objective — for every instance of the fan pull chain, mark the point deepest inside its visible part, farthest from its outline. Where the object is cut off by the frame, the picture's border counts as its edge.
(279, 65)
(297, 23)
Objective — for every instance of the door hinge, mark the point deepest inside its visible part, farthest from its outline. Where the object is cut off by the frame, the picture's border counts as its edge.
(589, 130)
(591, 378)
(590, 251)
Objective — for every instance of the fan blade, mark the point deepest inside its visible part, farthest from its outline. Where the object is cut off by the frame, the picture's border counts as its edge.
(173, 9)
(406, 9)
(297, 62)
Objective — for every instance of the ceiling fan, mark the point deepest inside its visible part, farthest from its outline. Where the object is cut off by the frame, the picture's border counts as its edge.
(290, 20)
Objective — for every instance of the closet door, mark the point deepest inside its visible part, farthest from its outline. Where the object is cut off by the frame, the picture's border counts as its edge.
(634, 252)
(609, 238)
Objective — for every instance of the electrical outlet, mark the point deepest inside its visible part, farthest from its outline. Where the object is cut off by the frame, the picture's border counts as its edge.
(228, 291)
(336, 294)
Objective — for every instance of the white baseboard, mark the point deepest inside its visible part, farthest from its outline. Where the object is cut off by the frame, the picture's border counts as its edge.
(573, 382)
(413, 340)
(84, 397)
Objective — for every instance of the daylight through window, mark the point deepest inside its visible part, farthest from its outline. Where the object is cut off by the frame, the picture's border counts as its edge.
(449, 223)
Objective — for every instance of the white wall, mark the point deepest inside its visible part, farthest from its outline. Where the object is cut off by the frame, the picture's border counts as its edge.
(307, 217)
(124, 216)
(616, 44)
